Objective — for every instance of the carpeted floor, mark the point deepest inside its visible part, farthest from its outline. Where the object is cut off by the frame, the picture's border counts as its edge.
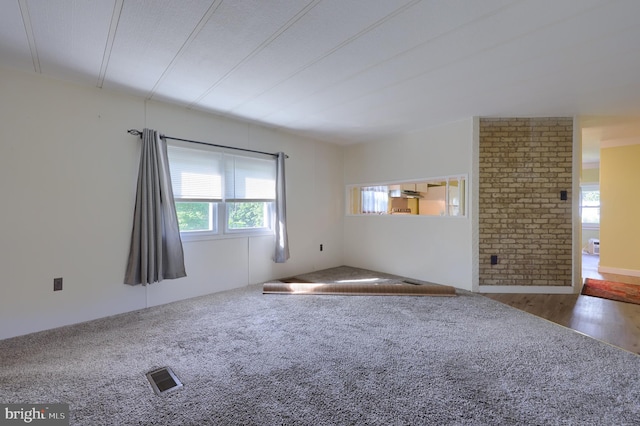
(253, 359)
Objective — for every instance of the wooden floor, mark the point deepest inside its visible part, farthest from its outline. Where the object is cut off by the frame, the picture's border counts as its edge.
(617, 323)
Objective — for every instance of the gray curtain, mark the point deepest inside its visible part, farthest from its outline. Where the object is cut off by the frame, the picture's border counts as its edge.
(156, 249)
(282, 240)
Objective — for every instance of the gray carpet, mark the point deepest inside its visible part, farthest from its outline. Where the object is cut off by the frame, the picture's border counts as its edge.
(251, 359)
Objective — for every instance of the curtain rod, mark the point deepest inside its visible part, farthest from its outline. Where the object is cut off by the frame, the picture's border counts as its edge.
(139, 133)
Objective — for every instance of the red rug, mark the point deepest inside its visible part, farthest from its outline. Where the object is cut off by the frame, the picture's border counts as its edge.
(621, 292)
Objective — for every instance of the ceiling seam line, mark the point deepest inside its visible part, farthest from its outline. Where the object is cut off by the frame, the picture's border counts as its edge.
(258, 49)
(333, 50)
(397, 55)
(422, 74)
(476, 53)
(31, 39)
(197, 29)
(113, 28)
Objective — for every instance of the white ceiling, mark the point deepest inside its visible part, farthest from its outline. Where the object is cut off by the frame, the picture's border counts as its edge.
(341, 70)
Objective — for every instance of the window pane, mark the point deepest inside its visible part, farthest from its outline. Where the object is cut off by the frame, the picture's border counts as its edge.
(456, 197)
(590, 214)
(433, 202)
(590, 206)
(195, 216)
(590, 198)
(251, 215)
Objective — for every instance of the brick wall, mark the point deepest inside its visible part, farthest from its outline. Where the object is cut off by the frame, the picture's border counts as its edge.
(524, 164)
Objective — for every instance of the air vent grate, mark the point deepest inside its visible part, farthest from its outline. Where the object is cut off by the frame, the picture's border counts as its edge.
(163, 380)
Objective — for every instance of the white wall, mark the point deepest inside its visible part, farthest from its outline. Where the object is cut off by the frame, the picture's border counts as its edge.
(67, 183)
(436, 249)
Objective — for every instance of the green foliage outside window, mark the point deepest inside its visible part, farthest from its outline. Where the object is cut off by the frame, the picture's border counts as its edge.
(193, 216)
(246, 215)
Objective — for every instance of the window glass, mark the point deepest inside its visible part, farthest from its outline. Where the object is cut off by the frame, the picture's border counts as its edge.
(433, 201)
(196, 216)
(250, 215)
(590, 205)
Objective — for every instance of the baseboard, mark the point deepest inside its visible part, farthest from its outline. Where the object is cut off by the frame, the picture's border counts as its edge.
(524, 289)
(618, 271)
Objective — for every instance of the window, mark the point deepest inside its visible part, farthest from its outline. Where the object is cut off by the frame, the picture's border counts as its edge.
(196, 178)
(429, 197)
(250, 188)
(248, 216)
(196, 216)
(375, 199)
(219, 193)
(590, 206)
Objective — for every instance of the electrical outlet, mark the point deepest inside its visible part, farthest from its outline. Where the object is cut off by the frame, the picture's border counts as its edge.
(57, 284)
(321, 247)
(494, 259)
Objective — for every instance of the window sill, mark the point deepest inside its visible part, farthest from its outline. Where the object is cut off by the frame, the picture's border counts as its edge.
(406, 215)
(187, 237)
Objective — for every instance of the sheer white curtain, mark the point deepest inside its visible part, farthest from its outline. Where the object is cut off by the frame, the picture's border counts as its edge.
(375, 199)
(156, 251)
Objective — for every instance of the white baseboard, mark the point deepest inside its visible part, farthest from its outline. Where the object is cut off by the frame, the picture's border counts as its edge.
(524, 289)
(619, 271)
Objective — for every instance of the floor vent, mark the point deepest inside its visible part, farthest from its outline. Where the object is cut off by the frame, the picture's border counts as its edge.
(163, 380)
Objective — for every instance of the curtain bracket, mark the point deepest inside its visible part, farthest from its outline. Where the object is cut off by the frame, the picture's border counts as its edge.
(135, 132)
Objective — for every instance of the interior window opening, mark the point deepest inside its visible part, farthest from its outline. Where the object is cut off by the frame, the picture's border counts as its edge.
(428, 197)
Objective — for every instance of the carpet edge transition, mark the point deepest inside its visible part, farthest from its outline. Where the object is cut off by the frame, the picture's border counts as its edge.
(358, 289)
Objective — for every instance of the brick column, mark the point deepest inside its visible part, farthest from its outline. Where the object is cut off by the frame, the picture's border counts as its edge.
(525, 163)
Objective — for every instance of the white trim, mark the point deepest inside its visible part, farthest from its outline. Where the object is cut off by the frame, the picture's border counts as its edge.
(576, 202)
(613, 143)
(619, 271)
(591, 226)
(409, 181)
(474, 205)
(526, 289)
(595, 186)
(594, 165)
